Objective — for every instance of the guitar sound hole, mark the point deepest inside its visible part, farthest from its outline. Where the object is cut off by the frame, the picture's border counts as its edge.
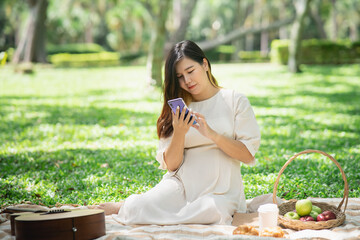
(55, 211)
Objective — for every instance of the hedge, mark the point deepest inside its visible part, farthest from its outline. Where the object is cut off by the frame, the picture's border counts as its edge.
(253, 56)
(314, 51)
(74, 48)
(101, 59)
(221, 53)
(225, 53)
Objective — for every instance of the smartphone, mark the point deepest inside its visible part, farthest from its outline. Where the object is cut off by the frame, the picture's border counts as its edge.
(174, 103)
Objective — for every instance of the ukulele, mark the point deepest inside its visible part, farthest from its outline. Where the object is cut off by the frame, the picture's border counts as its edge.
(59, 224)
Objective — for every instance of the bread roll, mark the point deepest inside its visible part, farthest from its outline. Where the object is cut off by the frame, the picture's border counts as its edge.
(246, 230)
(272, 232)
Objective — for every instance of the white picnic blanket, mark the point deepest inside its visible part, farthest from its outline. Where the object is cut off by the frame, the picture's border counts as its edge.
(114, 230)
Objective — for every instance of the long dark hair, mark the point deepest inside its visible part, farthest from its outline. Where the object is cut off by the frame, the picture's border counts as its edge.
(171, 87)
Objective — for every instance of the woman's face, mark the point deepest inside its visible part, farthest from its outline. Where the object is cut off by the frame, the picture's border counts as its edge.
(192, 76)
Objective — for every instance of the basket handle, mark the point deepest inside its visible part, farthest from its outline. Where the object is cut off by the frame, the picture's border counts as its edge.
(346, 187)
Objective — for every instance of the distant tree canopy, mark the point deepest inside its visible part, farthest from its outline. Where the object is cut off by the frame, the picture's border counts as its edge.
(132, 26)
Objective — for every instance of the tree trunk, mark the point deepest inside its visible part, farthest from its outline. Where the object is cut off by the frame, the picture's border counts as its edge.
(241, 32)
(334, 27)
(156, 52)
(315, 14)
(89, 32)
(257, 15)
(31, 47)
(283, 31)
(185, 18)
(353, 34)
(264, 39)
(177, 12)
(102, 30)
(239, 19)
(301, 7)
(2, 26)
(249, 42)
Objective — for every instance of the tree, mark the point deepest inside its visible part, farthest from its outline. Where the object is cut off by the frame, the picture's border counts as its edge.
(185, 17)
(156, 51)
(242, 11)
(2, 25)
(302, 8)
(31, 47)
(315, 14)
(334, 26)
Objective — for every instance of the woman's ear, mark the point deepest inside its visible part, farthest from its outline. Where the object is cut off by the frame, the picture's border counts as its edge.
(205, 64)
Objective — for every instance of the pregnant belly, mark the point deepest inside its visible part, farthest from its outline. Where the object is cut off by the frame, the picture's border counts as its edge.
(204, 171)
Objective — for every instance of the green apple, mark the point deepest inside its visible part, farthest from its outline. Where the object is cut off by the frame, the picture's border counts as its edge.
(303, 207)
(314, 214)
(292, 215)
(316, 209)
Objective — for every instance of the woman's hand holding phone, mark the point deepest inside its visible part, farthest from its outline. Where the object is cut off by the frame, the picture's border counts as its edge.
(179, 102)
(181, 121)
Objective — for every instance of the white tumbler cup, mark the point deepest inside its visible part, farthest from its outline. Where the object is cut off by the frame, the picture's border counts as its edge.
(268, 215)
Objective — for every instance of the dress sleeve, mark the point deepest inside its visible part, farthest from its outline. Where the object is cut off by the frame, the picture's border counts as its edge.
(246, 128)
(163, 145)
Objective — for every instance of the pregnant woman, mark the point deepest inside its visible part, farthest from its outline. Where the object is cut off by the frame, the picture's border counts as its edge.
(203, 183)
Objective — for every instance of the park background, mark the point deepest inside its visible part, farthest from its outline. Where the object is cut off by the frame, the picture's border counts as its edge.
(80, 92)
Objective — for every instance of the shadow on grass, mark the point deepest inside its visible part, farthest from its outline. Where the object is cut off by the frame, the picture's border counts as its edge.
(30, 116)
(77, 175)
(333, 70)
(347, 99)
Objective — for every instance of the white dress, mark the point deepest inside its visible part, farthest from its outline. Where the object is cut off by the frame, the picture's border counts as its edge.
(207, 188)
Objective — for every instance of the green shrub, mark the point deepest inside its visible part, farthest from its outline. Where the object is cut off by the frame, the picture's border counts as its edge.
(279, 51)
(226, 49)
(315, 51)
(253, 56)
(130, 56)
(220, 53)
(74, 48)
(224, 53)
(101, 59)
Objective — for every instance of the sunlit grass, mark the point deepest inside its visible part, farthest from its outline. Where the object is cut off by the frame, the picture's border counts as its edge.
(89, 135)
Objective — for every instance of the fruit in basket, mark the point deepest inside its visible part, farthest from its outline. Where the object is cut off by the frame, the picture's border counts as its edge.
(307, 218)
(292, 215)
(314, 214)
(316, 209)
(320, 218)
(326, 215)
(303, 207)
(329, 215)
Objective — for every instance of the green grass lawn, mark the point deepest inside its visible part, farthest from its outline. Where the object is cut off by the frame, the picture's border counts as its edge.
(85, 136)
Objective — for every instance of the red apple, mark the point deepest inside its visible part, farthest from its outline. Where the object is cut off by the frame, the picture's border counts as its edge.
(307, 218)
(328, 215)
(320, 217)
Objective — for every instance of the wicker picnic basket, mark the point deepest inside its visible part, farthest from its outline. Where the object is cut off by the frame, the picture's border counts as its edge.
(290, 205)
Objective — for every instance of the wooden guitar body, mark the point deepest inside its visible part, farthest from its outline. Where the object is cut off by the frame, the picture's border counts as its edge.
(71, 224)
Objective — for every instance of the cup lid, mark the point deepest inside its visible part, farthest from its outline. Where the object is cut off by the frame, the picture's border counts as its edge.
(269, 207)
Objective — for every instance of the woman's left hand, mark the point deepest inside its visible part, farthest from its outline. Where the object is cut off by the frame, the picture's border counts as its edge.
(203, 127)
